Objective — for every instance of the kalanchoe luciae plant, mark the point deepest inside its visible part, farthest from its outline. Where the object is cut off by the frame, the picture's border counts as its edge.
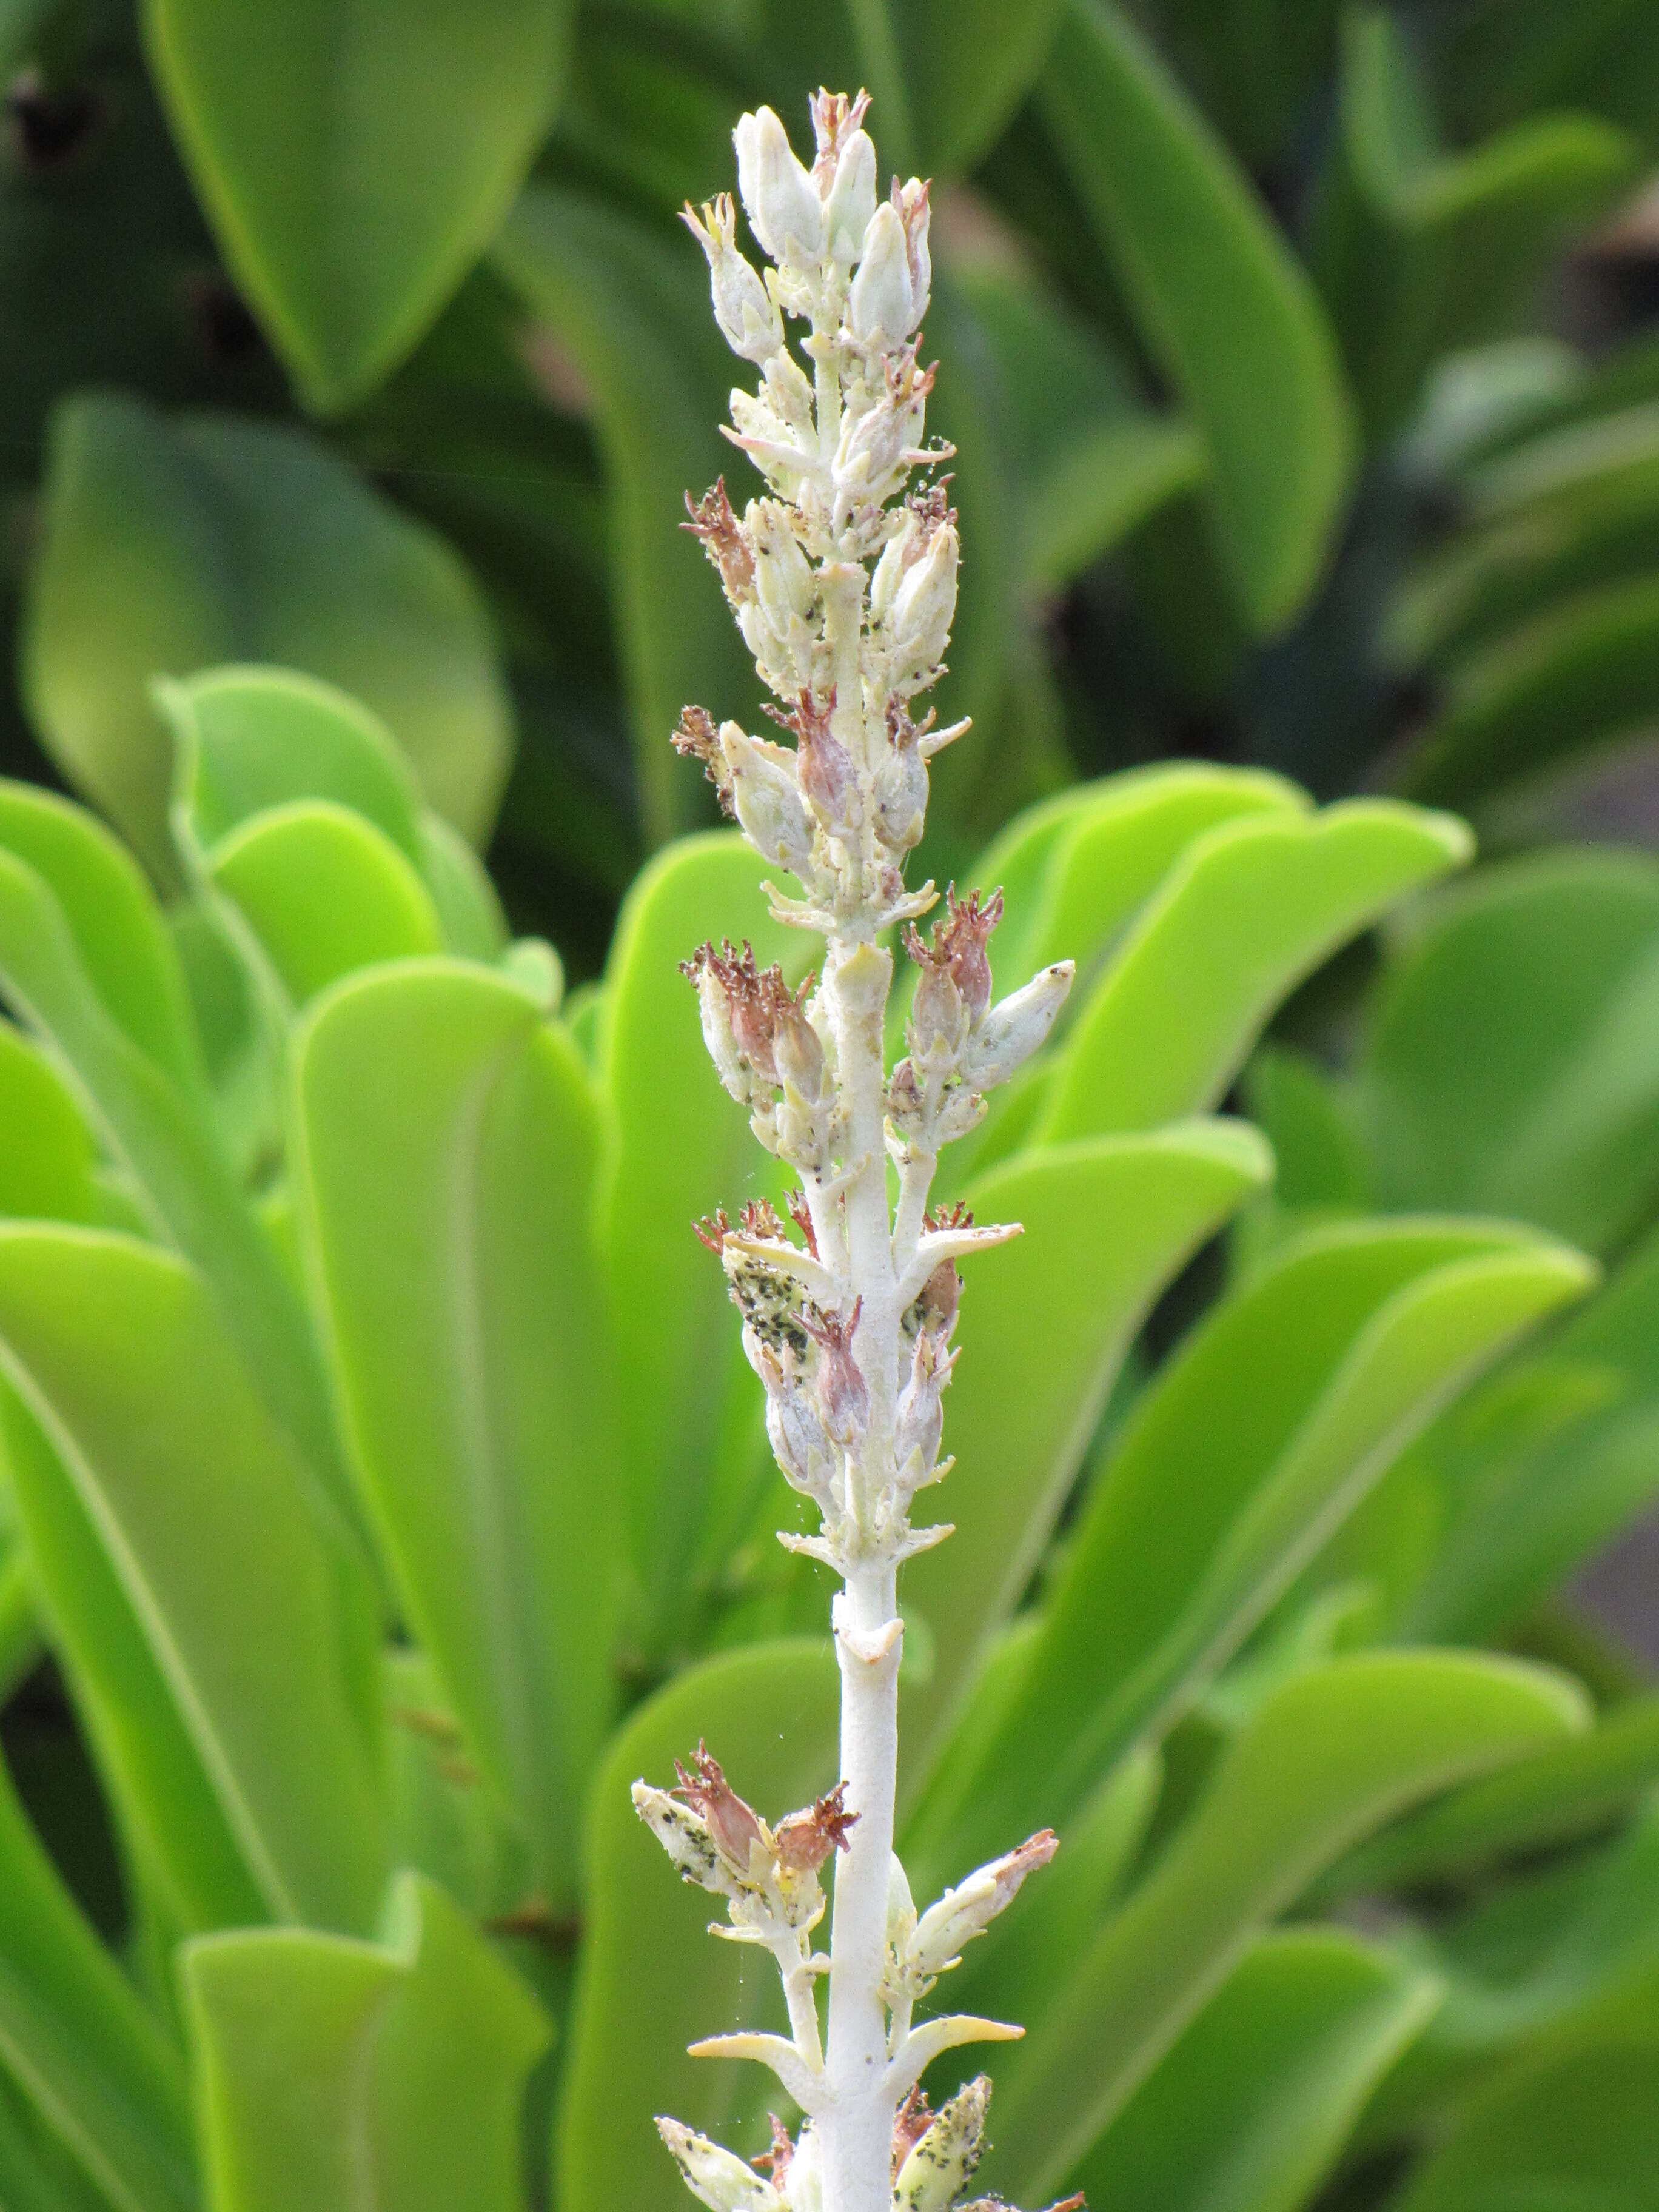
(843, 583)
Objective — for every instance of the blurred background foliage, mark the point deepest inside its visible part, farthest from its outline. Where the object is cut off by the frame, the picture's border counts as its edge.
(1305, 407)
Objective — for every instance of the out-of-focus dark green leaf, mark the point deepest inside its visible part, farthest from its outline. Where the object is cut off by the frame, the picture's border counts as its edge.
(632, 315)
(336, 2073)
(1221, 303)
(1418, 251)
(1578, 675)
(351, 206)
(1331, 1754)
(1562, 2129)
(175, 543)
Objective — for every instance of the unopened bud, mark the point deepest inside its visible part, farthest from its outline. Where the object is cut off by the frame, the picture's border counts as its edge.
(921, 1418)
(942, 2162)
(878, 305)
(850, 200)
(716, 2177)
(783, 576)
(842, 1397)
(914, 213)
(900, 791)
(785, 211)
(805, 1840)
(923, 607)
(797, 1436)
(735, 1826)
(766, 800)
(897, 554)
(969, 1910)
(829, 777)
(719, 1035)
(747, 314)
(685, 1837)
(1017, 1027)
(798, 1055)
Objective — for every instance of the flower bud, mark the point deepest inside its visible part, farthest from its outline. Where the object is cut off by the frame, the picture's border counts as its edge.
(798, 1055)
(719, 1035)
(842, 1398)
(745, 310)
(767, 802)
(900, 791)
(1017, 1027)
(913, 213)
(969, 1910)
(805, 1840)
(803, 2187)
(879, 303)
(941, 2165)
(939, 1019)
(850, 200)
(797, 1436)
(919, 623)
(921, 1418)
(735, 1826)
(783, 576)
(785, 211)
(828, 776)
(716, 2177)
(897, 555)
(684, 1836)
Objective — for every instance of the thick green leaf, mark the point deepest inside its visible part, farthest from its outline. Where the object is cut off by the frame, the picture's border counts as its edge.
(1220, 301)
(252, 738)
(77, 2042)
(446, 1150)
(1277, 2063)
(338, 2075)
(1045, 1323)
(1568, 1791)
(1249, 910)
(680, 1148)
(46, 1166)
(120, 934)
(185, 1188)
(323, 893)
(635, 320)
(1265, 1430)
(652, 1979)
(350, 207)
(1565, 2129)
(1420, 252)
(1513, 1061)
(172, 1820)
(1332, 1753)
(252, 1609)
(172, 544)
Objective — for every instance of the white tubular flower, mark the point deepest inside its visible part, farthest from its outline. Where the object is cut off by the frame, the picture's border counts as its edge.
(716, 2177)
(879, 305)
(1017, 1027)
(768, 804)
(850, 200)
(923, 605)
(969, 1910)
(784, 209)
(942, 2163)
(745, 310)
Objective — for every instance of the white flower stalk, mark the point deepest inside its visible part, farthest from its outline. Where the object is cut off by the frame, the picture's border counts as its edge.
(841, 576)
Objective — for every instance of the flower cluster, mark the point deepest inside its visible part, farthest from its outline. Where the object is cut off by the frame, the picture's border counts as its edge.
(841, 576)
